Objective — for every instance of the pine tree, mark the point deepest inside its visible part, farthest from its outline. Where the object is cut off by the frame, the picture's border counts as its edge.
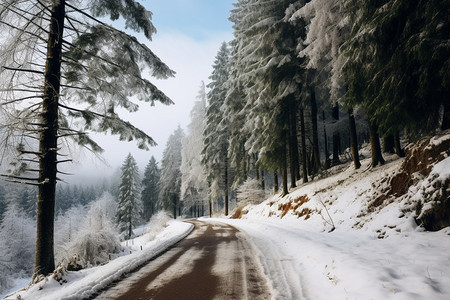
(194, 186)
(268, 69)
(56, 55)
(129, 207)
(150, 188)
(216, 133)
(327, 31)
(399, 68)
(170, 180)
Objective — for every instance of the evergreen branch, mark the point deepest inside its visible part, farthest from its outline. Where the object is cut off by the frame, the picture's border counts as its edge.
(44, 7)
(22, 182)
(64, 173)
(20, 99)
(23, 70)
(64, 161)
(90, 17)
(19, 177)
(91, 54)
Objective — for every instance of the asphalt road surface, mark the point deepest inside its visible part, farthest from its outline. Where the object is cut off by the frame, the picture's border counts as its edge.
(214, 262)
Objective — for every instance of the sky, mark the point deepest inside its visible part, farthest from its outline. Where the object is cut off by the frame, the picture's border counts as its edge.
(189, 34)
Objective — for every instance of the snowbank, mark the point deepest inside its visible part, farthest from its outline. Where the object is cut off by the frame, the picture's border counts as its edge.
(88, 282)
(354, 234)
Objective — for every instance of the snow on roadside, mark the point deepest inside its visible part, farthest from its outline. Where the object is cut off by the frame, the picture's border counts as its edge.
(347, 236)
(84, 283)
(303, 263)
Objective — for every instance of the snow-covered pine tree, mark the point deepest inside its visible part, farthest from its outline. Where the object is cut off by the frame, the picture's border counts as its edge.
(270, 72)
(129, 207)
(216, 133)
(170, 180)
(399, 64)
(327, 30)
(59, 64)
(194, 186)
(150, 188)
(18, 236)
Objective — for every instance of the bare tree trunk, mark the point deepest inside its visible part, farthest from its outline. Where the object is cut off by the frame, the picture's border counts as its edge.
(293, 146)
(353, 139)
(377, 158)
(263, 181)
(226, 185)
(284, 176)
(209, 200)
(316, 154)
(293, 133)
(303, 140)
(275, 182)
(174, 203)
(336, 136)
(388, 144)
(398, 148)
(446, 119)
(48, 144)
(327, 160)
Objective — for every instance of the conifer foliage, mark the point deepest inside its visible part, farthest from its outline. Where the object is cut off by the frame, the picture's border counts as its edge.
(129, 208)
(170, 180)
(150, 188)
(63, 78)
(216, 133)
(194, 186)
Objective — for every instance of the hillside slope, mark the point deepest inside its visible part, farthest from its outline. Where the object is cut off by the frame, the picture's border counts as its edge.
(403, 195)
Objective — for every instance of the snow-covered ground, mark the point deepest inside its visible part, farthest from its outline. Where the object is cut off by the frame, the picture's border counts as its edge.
(327, 239)
(85, 283)
(303, 263)
(376, 250)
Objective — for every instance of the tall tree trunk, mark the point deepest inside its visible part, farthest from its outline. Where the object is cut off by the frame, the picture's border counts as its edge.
(284, 175)
(377, 158)
(446, 120)
(130, 224)
(174, 203)
(209, 200)
(388, 144)
(398, 147)
(327, 160)
(226, 184)
(275, 181)
(303, 142)
(263, 182)
(336, 135)
(48, 144)
(316, 154)
(353, 139)
(293, 143)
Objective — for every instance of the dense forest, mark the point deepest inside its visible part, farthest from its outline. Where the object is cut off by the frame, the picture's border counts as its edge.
(305, 83)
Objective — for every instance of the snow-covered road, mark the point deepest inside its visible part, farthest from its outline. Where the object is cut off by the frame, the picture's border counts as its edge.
(215, 262)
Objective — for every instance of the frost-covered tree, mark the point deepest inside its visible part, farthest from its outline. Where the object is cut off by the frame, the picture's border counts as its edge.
(150, 188)
(194, 186)
(399, 66)
(216, 132)
(170, 180)
(17, 247)
(65, 73)
(129, 206)
(327, 30)
(267, 67)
